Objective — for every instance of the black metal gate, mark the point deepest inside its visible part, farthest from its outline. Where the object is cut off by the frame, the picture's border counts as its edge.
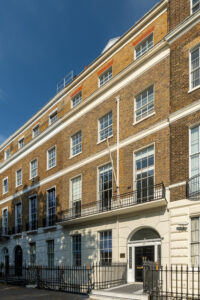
(174, 282)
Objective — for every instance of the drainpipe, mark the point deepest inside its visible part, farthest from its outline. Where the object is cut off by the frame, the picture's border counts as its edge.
(117, 101)
(118, 193)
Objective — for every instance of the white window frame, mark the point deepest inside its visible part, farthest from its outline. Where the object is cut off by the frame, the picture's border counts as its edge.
(32, 253)
(190, 68)
(30, 211)
(51, 253)
(101, 204)
(51, 115)
(3, 227)
(47, 202)
(31, 177)
(77, 99)
(6, 153)
(74, 253)
(77, 145)
(135, 167)
(20, 145)
(33, 130)
(18, 184)
(49, 168)
(72, 201)
(192, 6)
(100, 260)
(16, 223)
(137, 46)
(99, 131)
(135, 109)
(5, 191)
(107, 78)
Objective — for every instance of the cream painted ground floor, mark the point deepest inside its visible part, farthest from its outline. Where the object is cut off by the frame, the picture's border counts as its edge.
(160, 234)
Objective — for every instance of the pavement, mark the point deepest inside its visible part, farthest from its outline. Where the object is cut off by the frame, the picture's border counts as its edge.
(10, 292)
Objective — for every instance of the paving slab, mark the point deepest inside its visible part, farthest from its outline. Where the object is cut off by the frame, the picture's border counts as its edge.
(10, 292)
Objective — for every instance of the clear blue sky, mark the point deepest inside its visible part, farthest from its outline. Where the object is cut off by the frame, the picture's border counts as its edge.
(42, 40)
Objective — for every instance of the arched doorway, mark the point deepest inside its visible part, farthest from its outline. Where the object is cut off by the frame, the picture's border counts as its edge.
(18, 260)
(144, 244)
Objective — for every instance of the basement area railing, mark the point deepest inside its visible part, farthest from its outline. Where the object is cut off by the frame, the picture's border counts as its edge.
(106, 204)
(171, 282)
(67, 278)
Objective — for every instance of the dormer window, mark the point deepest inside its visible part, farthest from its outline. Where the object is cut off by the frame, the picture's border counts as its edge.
(21, 143)
(195, 5)
(36, 131)
(6, 153)
(53, 117)
(105, 76)
(76, 99)
(144, 46)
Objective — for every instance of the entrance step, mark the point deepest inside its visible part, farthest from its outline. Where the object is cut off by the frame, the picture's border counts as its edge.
(111, 294)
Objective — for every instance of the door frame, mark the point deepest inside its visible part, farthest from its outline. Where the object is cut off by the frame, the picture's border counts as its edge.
(143, 243)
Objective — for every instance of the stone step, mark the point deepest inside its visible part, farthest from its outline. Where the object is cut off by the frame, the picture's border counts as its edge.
(111, 295)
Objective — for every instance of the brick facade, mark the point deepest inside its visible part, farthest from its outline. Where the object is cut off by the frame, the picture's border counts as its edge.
(165, 67)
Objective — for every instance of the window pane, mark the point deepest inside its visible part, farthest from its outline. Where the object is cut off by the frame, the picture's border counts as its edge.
(144, 103)
(76, 143)
(105, 126)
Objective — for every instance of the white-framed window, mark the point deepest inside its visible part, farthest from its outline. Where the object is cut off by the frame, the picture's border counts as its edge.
(36, 131)
(76, 250)
(195, 5)
(5, 185)
(51, 158)
(76, 195)
(33, 168)
(144, 104)
(5, 221)
(76, 143)
(51, 207)
(50, 253)
(195, 67)
(21, 143)
(195, 151)
(18, 217)
(144, 46)
(18, 177)
(105, 187)
(105, 238)
(53, 117)
(33, 212)
(105, 76)
(105, 126)
(195, 241)
(144, 174)
(32, 253)
(194, 159)
(76, 99)
(6, 153)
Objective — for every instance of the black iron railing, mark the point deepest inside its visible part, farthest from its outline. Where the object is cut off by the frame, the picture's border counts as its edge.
(17, 229)
(174, 282)
(67, 278)
(50, 221)
(33, 225)
(193, 187)
(149, 194)
(5, 231)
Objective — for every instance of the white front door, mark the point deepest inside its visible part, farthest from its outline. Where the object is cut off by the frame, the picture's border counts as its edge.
(136, 250)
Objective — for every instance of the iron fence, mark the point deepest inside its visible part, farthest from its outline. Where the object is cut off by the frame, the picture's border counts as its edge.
(193, 187)
(67, 278)
(174, 282)
(136, 197)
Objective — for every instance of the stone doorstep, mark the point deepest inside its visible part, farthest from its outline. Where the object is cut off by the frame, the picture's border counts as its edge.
(111, 295)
